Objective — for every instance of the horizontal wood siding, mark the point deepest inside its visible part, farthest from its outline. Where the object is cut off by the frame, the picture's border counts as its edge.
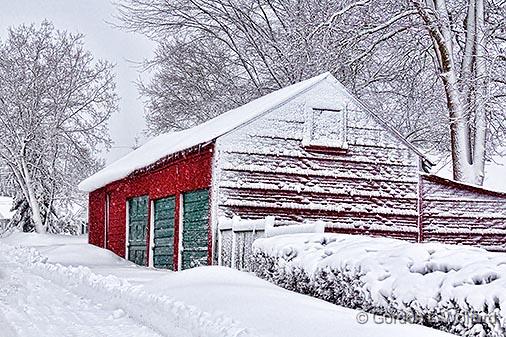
(461, 214)
(263, 169)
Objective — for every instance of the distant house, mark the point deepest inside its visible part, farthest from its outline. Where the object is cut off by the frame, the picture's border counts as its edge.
(306, 152)
(5, 211)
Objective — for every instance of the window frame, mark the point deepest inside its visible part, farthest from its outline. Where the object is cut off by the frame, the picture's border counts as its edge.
(310, 143)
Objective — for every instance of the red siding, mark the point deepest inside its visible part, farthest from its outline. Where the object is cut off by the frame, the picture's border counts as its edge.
(457, 213)
(96, 216)
(371, 187)
(169, 177)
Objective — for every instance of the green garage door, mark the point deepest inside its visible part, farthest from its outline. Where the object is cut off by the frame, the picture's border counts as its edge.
(163, 249)
(195, 227)
(137, 227)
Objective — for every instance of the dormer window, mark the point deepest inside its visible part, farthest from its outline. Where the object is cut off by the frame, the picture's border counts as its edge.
(325, 129)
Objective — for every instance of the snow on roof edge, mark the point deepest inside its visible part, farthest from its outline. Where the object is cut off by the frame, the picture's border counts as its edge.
(463, 184)
(171, 143)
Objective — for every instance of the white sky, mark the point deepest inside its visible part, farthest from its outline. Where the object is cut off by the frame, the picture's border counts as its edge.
(90, 18)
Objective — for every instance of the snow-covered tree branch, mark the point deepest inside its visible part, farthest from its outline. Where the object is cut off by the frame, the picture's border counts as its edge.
(55, 100)
(429, 67)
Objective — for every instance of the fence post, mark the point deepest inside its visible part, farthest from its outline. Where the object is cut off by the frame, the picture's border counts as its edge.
(419, 208)
(220, 247)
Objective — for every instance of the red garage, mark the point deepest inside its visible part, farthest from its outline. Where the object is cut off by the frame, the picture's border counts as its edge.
(163, 194)
(306, 152)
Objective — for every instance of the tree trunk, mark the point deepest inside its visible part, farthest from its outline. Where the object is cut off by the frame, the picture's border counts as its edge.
(480, 123)
(32, 199)
(466, 102)
(459, 135)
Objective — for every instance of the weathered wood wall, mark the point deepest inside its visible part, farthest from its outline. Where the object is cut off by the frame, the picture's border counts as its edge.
(457, 213)
(263, 169)
(371, 188)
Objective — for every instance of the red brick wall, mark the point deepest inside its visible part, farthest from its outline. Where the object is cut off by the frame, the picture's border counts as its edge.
(172, 177)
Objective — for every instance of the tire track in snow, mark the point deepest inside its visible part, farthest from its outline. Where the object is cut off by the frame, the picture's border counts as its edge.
(32, 306)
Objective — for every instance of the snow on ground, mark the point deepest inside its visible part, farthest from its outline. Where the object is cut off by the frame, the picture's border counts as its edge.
(273, 311)
(75, 251)
(40, 297)
(31, 305)
(429, 273)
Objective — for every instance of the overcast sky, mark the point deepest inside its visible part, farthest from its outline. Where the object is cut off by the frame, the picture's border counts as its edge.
(90, 18)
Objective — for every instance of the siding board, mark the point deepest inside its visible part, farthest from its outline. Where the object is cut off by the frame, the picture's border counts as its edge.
(460, 214)
(264, 169)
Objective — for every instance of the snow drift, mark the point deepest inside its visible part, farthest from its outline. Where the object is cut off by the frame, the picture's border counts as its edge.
(453, 288)
(159, 312)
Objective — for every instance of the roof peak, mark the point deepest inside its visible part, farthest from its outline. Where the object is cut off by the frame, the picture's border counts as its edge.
(170, 143)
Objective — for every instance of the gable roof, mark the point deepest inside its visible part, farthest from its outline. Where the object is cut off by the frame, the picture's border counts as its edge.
(170, 143)
(173, 142)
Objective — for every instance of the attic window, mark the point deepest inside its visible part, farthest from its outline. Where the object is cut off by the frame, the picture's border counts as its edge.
(325, 129)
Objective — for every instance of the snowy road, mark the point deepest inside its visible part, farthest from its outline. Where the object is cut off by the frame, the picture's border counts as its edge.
(55, 294)
(31, 306)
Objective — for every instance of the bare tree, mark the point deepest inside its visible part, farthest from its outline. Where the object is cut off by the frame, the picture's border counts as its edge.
(385, 52)
(54, 102)
(462, 51)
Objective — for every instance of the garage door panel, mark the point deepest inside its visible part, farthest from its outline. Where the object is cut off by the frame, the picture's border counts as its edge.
(192, 259)
(163, 261)
(163, 232)
(137, 229)
(198, 195)
(195, 228)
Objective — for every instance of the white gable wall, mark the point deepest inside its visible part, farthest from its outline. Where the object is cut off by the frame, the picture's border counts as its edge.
(262, 169)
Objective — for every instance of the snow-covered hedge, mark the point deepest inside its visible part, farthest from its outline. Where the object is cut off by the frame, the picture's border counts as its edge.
(452, 288)
(161, 313)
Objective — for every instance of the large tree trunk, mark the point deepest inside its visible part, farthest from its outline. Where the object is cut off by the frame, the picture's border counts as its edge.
(480, 123)
(466, 102)
(459, 135)
(32, 199)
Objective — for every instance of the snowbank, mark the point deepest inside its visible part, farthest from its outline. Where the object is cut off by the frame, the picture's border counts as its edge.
(271, 310)
(455, 288)
(205, 301)
(160, 312)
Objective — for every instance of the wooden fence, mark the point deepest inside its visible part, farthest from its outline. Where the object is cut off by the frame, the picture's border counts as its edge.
(236, 236)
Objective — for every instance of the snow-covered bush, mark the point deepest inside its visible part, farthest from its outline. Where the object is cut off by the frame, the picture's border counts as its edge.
(457, 289)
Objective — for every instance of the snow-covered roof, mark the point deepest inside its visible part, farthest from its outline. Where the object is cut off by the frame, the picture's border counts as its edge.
(5, 208)
(494, 172)
(170, 143)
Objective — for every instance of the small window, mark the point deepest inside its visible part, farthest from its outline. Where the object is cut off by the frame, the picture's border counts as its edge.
(325, 129)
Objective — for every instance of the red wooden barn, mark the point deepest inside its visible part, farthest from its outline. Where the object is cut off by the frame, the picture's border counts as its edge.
(306, 152)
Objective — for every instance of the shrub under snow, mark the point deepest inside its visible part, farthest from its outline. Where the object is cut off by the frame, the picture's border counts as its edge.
(453, 288)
